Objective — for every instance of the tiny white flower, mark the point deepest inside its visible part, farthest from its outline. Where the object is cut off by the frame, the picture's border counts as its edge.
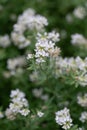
(40, 114)
(24, 112)
(30, 56)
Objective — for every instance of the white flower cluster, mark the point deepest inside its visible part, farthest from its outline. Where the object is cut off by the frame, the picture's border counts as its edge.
(15, 63)
(82, 100)
(63, 118)
(73, 69)
(77, 65)
(20, 40)
(1, 114)
(83, 117)
(4, 41)
(19, 104)
(78, 40)
(26, 22)
(51, 36)
(45, 46)
(79, 12)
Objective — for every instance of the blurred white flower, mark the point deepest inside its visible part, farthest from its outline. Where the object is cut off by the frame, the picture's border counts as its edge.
(82, 100)
(33, 76)
(78, 39)
(83, 117)
(5, 41)
(40, 114)
(37, 92)
(66, 66)
(30, 56)
(9, 114)
(79, 12)
(16, 63)
(27, 21)
(69, 18)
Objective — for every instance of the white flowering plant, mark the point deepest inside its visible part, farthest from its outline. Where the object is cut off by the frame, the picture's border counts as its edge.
(43, 65)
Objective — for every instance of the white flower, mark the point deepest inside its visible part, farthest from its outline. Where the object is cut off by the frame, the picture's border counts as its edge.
(19, 104)
(4, 41)
(69, 18)
(83, 117)
(78, 39)
(45, 46)
(80, 63)
(14, 63)
(81, 128)
(9, 114)
(82, 100)
(53, 36)
(30, 56)
(24, 112)
(40, 114)
(82, 79)
(20, 40)
(37, 92)
(63, 118)
(80, 12)
(6, 74)
(17, 94)
(28, 21)
(29, 11)
(64, 66)
(15, 107)
(37, 22)
(44, 97)
(33, 76)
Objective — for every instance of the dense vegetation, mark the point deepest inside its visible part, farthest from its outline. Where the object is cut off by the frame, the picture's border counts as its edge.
(43, 64)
